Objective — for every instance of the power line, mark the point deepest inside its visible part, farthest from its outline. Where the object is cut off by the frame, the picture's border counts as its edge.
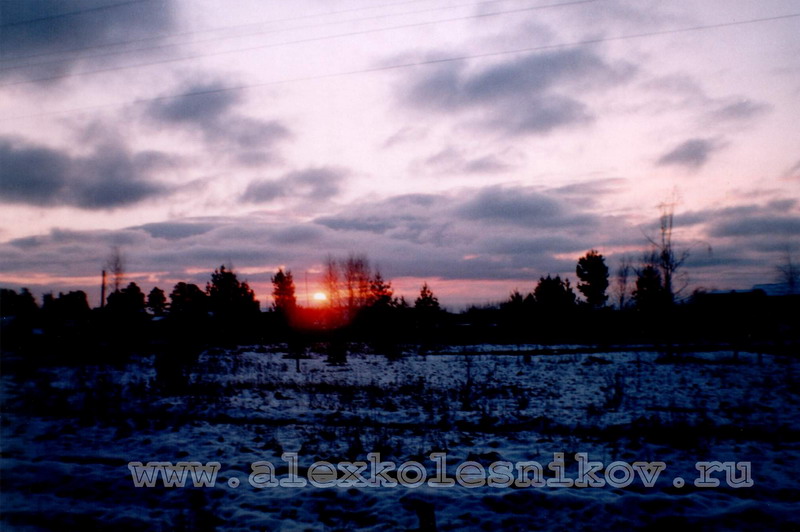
(71, 13)
(399, 66)
(298, 41)
(209, 30)
(249, 25)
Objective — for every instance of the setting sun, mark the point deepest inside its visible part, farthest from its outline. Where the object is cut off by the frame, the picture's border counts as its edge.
(320, 296)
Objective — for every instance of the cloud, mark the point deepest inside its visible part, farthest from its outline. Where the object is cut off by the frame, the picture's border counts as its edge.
(176, 230)
(36, 28)
(312, 183)
(519, 206)
(693, 153)
(453, 161)
(742, 109)
(793, 172)
(773, 226)
(204, 105)
(112, 177)
(208, 110)
(528, 94)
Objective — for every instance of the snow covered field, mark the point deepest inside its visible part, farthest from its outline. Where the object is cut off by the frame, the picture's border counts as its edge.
(69, 432)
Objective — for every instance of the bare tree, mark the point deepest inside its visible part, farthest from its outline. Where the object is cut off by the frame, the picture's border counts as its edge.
(331, 281)
(116, 265)
(356, 281)
(668, 260)
(789, 273)
(621, 285)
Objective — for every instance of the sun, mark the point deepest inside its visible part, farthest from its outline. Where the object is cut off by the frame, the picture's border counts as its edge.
(320, 296)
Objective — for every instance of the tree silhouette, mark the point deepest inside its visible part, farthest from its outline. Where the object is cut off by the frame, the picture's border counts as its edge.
(356, 282)
(73, 305)
(593, 274)
(20, 305)
(116, 265)
(551, 293)
(426, 302)
(129, 300)
(650, 293)
(380, 292)
(789, 274)
(229, 297)
(666, 258)
(331, 281)
(187, 300)
(283, 296)
(157, 301)
(623, 274)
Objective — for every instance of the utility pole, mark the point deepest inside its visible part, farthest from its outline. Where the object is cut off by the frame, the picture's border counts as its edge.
(103, 291)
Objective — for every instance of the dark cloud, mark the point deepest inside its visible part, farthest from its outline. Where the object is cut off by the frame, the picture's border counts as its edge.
(301, 234)
(176, 230)
(312, 183)
(733, 214)
(204, 105)
(544, 114)
(112, 177)
(529, 94)
(693, 153)
(774, 226)
(416, 218)
(519, 206)
(208, 110)
(739, 110)
(590, 189)
(368, 224)
(48, 41)
(453, 161)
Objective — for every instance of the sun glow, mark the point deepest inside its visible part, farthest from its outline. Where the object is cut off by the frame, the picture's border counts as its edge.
(320, 296)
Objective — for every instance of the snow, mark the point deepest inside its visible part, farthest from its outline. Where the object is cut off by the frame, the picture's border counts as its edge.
(69, 431)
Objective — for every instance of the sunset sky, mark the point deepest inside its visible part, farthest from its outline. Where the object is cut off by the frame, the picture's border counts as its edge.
(473, 145)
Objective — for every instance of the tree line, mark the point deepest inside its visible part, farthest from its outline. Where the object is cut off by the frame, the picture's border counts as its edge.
(644, 302)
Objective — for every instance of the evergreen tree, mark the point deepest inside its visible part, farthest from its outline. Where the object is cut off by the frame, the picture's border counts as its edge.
(380, 292)
(227, 296)
(650, 294)
(283, 292)
(157, 301)
(426, 300)
(593, 274)
(129, 300)
(553, 294)
(188, 300)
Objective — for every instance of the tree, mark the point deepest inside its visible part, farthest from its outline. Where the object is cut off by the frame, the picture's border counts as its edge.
(593, 274)
(129, 300)
(116, 265)
(187, 300)
(426, 302)
(789, 274)
(19, 305)
(356, 281)
(331, 282)
(283, 296)
(73, 305)
(229, 297)
(623, 274)
(157, 301)
(551, 293)
(380, 292)
(667, 259)
(650, 293)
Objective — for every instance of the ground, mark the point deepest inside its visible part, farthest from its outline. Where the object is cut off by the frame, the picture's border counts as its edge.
(70, 430)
